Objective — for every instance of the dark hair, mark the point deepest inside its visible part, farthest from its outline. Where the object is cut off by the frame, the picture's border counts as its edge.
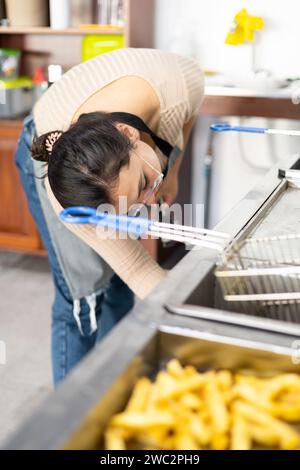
(85, 161)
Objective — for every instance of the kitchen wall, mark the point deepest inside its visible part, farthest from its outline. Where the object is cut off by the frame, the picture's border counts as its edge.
(198, 28)
(204, 24)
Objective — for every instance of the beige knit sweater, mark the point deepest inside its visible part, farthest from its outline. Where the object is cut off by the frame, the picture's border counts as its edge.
(179, 85)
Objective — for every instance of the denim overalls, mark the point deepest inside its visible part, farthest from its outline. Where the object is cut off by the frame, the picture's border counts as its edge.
(79, 318)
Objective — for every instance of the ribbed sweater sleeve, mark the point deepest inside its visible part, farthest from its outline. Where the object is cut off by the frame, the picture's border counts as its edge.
(127, 257)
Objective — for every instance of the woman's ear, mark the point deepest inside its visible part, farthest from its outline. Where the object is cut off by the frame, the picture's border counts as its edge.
(130, 132)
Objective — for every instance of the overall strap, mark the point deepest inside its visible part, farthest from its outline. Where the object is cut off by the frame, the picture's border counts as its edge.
(139, 124)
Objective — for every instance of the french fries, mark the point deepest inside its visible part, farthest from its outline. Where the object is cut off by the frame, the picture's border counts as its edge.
(184, 409)
(287, 438)
(240, 433)
(114, 439)
(140, 396)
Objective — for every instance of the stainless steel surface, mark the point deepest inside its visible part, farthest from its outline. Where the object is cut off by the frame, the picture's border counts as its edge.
(261, 276)
(293, 178)
(224, 317)
(143, 341)
(191, 347)
(183, 280)
(277, 216)
(292, 174)
(76, 414)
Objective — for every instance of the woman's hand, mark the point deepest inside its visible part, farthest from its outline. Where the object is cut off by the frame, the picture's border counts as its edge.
(169, 188)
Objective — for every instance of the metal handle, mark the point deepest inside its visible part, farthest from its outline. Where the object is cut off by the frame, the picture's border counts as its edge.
(292, 175)
(88, 215)
(221, 316)
(222, 127)
(140, 226)
(78, 215)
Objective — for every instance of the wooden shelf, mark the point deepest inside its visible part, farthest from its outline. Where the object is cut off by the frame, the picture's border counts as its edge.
(42, 46)
(62, 32)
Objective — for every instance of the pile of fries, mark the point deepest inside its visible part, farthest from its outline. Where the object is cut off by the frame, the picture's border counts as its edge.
(188, 410)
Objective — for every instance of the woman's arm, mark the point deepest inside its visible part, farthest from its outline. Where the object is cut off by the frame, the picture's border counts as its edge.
(128, 258)
(194, 82)
(169, 188)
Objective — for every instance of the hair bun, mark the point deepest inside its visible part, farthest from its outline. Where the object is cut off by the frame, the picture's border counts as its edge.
(42, 146)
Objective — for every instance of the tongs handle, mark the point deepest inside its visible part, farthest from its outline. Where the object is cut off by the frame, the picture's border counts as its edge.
(223, 127)
(88, 215)
(139, 226)
(293, 172)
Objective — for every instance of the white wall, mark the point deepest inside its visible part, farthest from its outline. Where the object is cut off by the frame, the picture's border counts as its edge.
(206, 23)
(198, 28)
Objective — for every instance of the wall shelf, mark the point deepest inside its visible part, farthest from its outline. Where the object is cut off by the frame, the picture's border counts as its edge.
(43, 46)
(62, 32)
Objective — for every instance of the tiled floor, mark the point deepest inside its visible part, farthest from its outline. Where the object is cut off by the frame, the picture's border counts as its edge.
(26, 296)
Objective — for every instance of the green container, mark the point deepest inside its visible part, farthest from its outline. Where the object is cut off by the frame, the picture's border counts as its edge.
(9, 62)
(96, 44)
(21, 82)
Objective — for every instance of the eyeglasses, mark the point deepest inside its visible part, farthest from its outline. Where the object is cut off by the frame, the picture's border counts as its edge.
(148, 192)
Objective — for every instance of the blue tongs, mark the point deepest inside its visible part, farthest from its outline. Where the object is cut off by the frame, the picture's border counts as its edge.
(223, 127)
(138, 226)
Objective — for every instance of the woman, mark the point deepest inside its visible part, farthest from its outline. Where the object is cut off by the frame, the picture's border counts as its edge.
(108, 129)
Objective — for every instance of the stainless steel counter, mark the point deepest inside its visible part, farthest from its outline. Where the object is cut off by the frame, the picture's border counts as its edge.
(275, 208)
(75, 415)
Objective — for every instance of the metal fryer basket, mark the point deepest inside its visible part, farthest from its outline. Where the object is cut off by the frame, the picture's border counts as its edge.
(261, 276)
